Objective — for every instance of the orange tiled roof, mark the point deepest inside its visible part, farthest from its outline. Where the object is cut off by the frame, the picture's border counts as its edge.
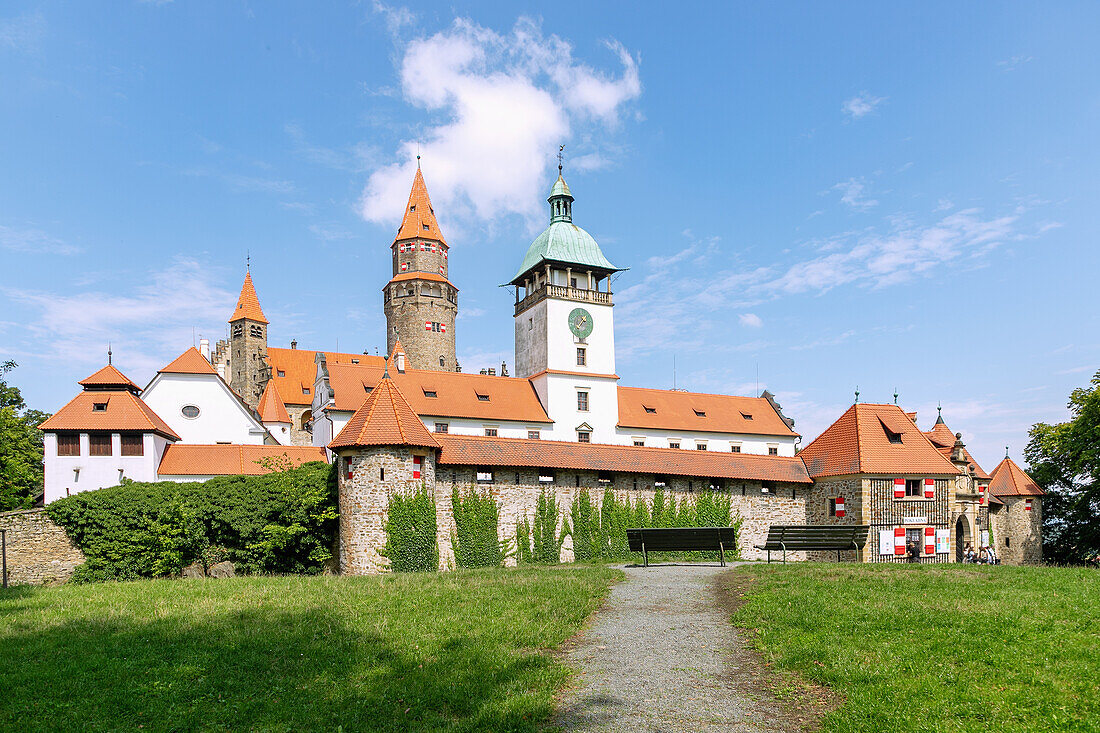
(248, 305)
(474, 450)
(944, 440)
(677, 411)
(271, 407)
(456, 394)
(1010, 480)
(299, 370)
(108, 376)
(189, 362)
(384, 419)
(419, 220)
(857, 443)
(402, 276)
(231, 460)
(125, 411)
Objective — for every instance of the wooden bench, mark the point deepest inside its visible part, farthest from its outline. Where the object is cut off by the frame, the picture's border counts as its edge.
(793, 537)
(682, 539)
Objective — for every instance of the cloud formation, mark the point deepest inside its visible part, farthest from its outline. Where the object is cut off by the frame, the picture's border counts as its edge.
(750, 320)
(861, 105)
(33, 241)
(505, 102)
(852, 193)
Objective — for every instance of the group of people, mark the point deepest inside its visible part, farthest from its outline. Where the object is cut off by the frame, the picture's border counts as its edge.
(984, 555)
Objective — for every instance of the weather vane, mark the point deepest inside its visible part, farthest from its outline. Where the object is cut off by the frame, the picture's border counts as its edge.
(561, 149)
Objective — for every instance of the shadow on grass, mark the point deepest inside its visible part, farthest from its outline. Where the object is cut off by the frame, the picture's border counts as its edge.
(259, 670)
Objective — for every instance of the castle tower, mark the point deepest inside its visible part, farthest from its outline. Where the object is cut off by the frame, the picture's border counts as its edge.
(419, 301)
(248, 370)
(565, 330)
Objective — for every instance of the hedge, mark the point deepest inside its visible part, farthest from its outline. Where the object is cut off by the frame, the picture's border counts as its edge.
(281, 522)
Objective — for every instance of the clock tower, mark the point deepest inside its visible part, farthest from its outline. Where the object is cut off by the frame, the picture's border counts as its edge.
(565, 333)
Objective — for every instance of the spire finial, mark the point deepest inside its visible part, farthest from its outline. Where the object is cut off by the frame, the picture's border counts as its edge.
(857, 394)
(109, 354)
(418, 155)
(939, 409)
(895, 395)
(1006, 451)
(247, 261)
(561, 150)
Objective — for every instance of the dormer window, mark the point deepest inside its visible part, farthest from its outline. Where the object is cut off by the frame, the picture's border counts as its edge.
(426, 227)
(99, 407)
(746, 415)
(482, 397)
(429, 393)
(891, 435)
(700, 413)
(650, 410)
(412, 208)
(354, 361)
(305, 390)
(280, 373)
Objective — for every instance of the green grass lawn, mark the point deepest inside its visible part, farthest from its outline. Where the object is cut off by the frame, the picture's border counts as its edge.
(931, 648)
(456, 651)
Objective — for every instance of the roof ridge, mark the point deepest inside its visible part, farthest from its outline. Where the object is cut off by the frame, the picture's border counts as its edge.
(854, 409)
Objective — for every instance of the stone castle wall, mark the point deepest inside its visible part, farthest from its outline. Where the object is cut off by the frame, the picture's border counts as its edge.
(39, 551)
(1017, 533)
(405, 318)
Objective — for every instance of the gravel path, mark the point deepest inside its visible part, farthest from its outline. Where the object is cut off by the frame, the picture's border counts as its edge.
(662, 655)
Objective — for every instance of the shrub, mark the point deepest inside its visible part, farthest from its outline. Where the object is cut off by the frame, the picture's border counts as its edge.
(475, 541)
(281, 522)
(411, 544)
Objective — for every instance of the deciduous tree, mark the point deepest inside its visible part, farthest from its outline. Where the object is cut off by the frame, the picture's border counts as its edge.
(20, 447)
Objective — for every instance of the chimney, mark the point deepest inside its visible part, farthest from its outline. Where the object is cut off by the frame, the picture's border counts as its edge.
(458, 367)
(484, 371)
(204, 348)
(492, 371)
(221, 370)
(504, 369)
(400, 362)
(293, 344)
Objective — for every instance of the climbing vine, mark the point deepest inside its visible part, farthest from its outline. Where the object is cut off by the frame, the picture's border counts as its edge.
(475, 540)
(540, 541)
(410, 532)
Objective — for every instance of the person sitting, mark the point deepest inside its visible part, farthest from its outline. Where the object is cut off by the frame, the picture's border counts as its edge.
(983, 556)
(969, 553)
(993, 559)
(913, 549)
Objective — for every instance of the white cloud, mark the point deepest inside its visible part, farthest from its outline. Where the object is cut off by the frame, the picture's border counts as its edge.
(505, 102)
(1011, 64)
(750, 320)
(852, 193)
(23, 32)
(396, 18)
(33, 241)
(330, 232)
(860, 105)
(147, 326)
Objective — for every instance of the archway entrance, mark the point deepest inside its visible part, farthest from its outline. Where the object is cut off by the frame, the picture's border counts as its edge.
(962, 537)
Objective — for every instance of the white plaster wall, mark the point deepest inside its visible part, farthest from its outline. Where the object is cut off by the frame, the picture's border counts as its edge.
(280, 431)
(222, 418)
(561, 344)
(720, 442)
(95, 472)
(559, 395)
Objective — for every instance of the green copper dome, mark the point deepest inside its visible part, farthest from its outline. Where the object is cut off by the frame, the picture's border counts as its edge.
(563, 242)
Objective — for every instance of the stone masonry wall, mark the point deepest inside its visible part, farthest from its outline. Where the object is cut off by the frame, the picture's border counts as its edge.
(39, 551)
(1017, 533)
(817, 511)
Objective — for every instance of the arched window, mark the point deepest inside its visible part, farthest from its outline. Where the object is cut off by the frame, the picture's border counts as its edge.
(442, 362)
(306, 416)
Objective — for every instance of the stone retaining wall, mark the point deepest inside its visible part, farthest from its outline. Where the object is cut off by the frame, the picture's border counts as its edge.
(39, 551)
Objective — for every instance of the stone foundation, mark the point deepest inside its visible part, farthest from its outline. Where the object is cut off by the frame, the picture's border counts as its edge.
(39, 551)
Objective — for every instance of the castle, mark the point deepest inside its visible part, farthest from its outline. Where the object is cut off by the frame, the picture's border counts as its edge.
(562, 424)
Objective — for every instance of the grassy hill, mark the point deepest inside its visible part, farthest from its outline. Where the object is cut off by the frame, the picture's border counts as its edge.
(934, 647)
(457, 651)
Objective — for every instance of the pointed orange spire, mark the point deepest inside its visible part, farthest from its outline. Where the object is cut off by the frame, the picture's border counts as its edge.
(271, 407)
(419, 220)
(248, 305)
(385, 418)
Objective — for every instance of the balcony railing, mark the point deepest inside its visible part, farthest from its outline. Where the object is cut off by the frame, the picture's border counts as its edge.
(581, 295)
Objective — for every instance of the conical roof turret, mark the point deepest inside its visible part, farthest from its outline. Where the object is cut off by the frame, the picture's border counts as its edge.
(419, 220)
(385, 418)
(248, 304)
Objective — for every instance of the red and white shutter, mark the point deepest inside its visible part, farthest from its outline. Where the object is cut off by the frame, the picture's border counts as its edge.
(929, 540)
(404, 267)
(441, 270)
(444, 254)
(930, 488)
(433, 248)
(899, 488)
(418, 464)
(423, 246)
(443, 328)
(1027, 505)
(347, 469)
(840, 506)
(427, 325)
(981, 493)
(899, 540)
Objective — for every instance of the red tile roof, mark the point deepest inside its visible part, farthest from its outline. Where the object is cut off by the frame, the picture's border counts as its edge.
(384, 419)
(456, 394)
(231, 460)
(857, 443)
(271, 407)
(401, 276)
(189, 362)
(944, 440)
(419, 221)
(299, 370)
(108, 376)
(248, 305)
(1010, 480)
(472, 450)
(124, 411)
(677, 411)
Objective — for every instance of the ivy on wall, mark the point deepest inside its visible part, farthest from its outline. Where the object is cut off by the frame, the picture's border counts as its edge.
(411, 542)
(540, 541)
(475, 540)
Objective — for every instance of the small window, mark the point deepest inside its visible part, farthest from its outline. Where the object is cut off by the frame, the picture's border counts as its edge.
(256, 331)
(700, 446)
(650, 410)
(716, 484)
(490, 432)
(426, 227)
(660, 481)
(583, 436)
(573, 282)
(99, 407)
(281, 373)
(305, 390)
(441, 427)
(189, 411)
(546, 478)
(485, 477)
(700, 413)
(582, 401)
(582, 358)
(746, 415)
(530, 324)
(735, 447)
(767, 487)
(68, 444)
(533, 435)
(99, 444)
(603, 477)
(673, 444)
(482, 397)
(773, 450)
(914, 487)
(354, 361)
(412, 208)
(429, 393)
(381, 473)
(639, 442)
(133, 445)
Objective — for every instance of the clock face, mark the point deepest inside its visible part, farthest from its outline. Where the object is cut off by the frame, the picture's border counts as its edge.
(580, 323)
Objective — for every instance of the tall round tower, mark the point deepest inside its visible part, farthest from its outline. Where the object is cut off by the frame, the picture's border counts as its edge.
(419, 301)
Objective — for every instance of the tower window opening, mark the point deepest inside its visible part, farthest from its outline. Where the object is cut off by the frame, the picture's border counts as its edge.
(281, 373)
(412, 208)
(426, 227)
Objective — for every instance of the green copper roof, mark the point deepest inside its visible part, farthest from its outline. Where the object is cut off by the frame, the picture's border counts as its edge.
(563, 241)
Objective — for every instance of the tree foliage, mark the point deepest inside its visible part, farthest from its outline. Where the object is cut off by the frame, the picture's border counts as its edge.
(20, 447)
(1064, 459)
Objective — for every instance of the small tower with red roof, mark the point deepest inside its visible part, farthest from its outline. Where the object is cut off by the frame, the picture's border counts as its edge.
(1016, 513)
(247, 367)
(419, 301)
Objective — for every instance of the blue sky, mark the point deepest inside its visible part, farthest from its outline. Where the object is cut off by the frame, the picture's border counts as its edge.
(877, 195)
